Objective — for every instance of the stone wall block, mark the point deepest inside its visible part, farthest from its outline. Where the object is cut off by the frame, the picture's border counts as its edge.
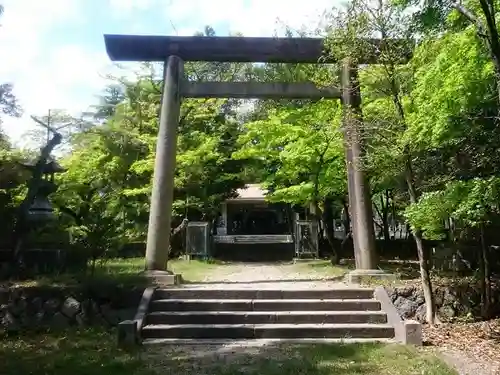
(406, 307)
(10, 322)
(420, 314)
(70, 307)
(451, 301)
(51, 306)
(36, 304)
(59, 321)
(4, 296)
(18, 306)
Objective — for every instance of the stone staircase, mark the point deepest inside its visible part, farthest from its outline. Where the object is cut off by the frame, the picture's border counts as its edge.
(192, 314)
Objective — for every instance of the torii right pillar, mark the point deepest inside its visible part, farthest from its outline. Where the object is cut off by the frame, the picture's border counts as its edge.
(360, 204)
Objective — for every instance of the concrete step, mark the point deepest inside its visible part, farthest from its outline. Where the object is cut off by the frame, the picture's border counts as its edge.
(265, 305)
(263, 331)
(265, 317)
(190, 293)
(232, 343)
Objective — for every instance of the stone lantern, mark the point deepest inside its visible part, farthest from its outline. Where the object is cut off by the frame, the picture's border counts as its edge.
(41, 209)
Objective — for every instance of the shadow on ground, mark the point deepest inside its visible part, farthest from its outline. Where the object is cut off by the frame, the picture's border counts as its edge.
(285, 359)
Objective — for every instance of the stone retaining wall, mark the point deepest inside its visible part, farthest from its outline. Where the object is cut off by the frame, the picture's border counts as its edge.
(452, 301)
(58, 307)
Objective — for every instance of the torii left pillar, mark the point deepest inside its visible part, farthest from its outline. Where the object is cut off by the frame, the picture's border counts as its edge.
(358, 185)
(160, 214)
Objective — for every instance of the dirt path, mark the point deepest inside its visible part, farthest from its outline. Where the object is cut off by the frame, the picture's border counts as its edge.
(272, 275)
(466, 364)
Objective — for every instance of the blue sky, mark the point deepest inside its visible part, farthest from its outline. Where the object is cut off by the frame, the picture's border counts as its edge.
(53, 50)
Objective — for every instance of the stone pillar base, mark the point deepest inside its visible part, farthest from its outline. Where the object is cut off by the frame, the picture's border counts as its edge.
(127, 334)
(412, 333)
(368, 276)
(163, 277)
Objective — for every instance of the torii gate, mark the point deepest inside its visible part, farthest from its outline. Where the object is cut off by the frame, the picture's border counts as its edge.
(174, 50)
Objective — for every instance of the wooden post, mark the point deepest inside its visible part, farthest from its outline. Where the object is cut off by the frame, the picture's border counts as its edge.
(160, 215)
(358, 186)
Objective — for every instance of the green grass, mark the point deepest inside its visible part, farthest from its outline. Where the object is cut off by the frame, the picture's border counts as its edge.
(122, 271)
(83, 352)
(113, 271)
(191, 270)
(94, 352)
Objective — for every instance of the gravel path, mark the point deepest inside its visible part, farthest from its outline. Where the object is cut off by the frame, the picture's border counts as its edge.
(268, 276)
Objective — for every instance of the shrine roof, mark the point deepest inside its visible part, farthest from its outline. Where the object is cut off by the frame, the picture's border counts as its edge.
(250, 192)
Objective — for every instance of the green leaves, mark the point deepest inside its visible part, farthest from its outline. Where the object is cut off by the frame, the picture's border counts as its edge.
(116, 158)
(452, 75)
(8, 101)
(469, 202)
(301, 151)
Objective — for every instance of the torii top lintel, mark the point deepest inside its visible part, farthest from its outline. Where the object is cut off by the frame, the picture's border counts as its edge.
(222, 49)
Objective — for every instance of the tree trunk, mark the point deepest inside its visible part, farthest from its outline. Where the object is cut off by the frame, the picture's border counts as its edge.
(485, 280)
(291, 220)
(316, 219)
(383, 214)
(182, 226)
(316, 211)
(385, 217)
(329, 229)
(393, 213)
(358, 183)
(423, 258)
(346, 222)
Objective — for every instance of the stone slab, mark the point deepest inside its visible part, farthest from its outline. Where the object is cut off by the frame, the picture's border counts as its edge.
(217, 343)
(361, 276)
(263, 331)
(265, 305)
(266, 317)
(317, 293)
